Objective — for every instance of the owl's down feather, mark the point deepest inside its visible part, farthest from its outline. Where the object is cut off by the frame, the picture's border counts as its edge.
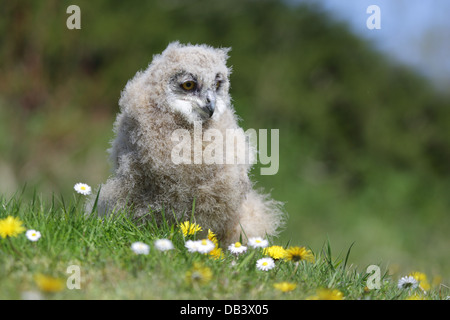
(183, 85)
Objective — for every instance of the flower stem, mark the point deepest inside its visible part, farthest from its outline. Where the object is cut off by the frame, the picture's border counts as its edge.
(13, 248)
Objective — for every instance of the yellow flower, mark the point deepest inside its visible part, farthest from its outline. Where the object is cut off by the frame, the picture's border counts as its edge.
(199, 274)
(285, 286)
(419, 276)
(422, 280)
(11, 227)
(416, 297)
(189, 228)
(49, 284)
(217, 253)
(327, 294)
(276, 252)
(299, 253)
(212, 236)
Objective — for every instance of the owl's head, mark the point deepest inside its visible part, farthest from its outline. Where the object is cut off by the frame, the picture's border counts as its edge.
(191, 80)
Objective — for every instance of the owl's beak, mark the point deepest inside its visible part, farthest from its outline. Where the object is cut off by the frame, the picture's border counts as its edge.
(210, 104)
(210, 107)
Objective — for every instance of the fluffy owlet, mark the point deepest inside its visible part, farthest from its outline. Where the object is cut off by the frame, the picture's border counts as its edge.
(184, 89)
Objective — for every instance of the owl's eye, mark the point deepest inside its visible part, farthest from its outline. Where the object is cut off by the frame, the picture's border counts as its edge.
(218, 84)
(189, 85)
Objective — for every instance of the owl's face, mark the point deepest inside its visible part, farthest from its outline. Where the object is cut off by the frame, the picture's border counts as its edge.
(195, 80)
(196, 97)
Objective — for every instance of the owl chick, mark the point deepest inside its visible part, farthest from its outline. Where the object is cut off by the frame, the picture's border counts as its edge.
(184, 86)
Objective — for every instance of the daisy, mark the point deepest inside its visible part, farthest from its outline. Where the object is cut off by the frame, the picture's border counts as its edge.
(163, 244)
(237, 248)
(31, 295)
(140, 248)
(205, 246)
(407, 282)
(298, 254)
(189, 228)
(82, 188)
(265, 264)
(11, 227)
(191, 245)
(33, 235)
(258, 242)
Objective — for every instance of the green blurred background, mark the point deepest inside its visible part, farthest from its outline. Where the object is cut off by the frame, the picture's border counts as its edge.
(364, 142)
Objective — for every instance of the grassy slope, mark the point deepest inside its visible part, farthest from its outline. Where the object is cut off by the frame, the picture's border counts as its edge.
(110, 270)
(363, 142)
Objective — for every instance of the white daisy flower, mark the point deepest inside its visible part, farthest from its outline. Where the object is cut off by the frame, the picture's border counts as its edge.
(31, 295)
(407, 283)
(237, 248)
(140, 248)
(265, 264)
(163, 244)
(205, 246)
(82, 188)
(191, 245)
(33, 235)
(202, 246)
(258, 242)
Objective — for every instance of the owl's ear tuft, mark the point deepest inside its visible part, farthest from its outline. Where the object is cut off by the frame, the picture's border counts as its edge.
(172, 47)
(223, 52)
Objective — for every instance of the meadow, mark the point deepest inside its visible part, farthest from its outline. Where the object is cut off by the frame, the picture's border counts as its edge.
(364, 155)
(79, 256)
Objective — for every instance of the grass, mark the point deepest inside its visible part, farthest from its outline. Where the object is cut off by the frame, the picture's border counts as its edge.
(109, 269)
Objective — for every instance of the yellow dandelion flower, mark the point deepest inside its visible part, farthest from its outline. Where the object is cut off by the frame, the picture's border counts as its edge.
(419, 276)
(422, 280)
(327, 294)
(49, 284)
(199, 274)
(416, 297)
(275, 252)
(213, 237)
(285, 286)
(11, 227)
(189, 228)
(217, 253)
(298, 254)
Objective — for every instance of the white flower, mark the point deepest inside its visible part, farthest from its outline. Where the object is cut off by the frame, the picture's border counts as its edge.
(163, 244)
(265, 264)
(202, 246)
(407, 282)
(31, 295)
(140, 248)
(258, 242)
(191, 245)
(237, 248)
(82, 188)
(33, 235)
(205, 246)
